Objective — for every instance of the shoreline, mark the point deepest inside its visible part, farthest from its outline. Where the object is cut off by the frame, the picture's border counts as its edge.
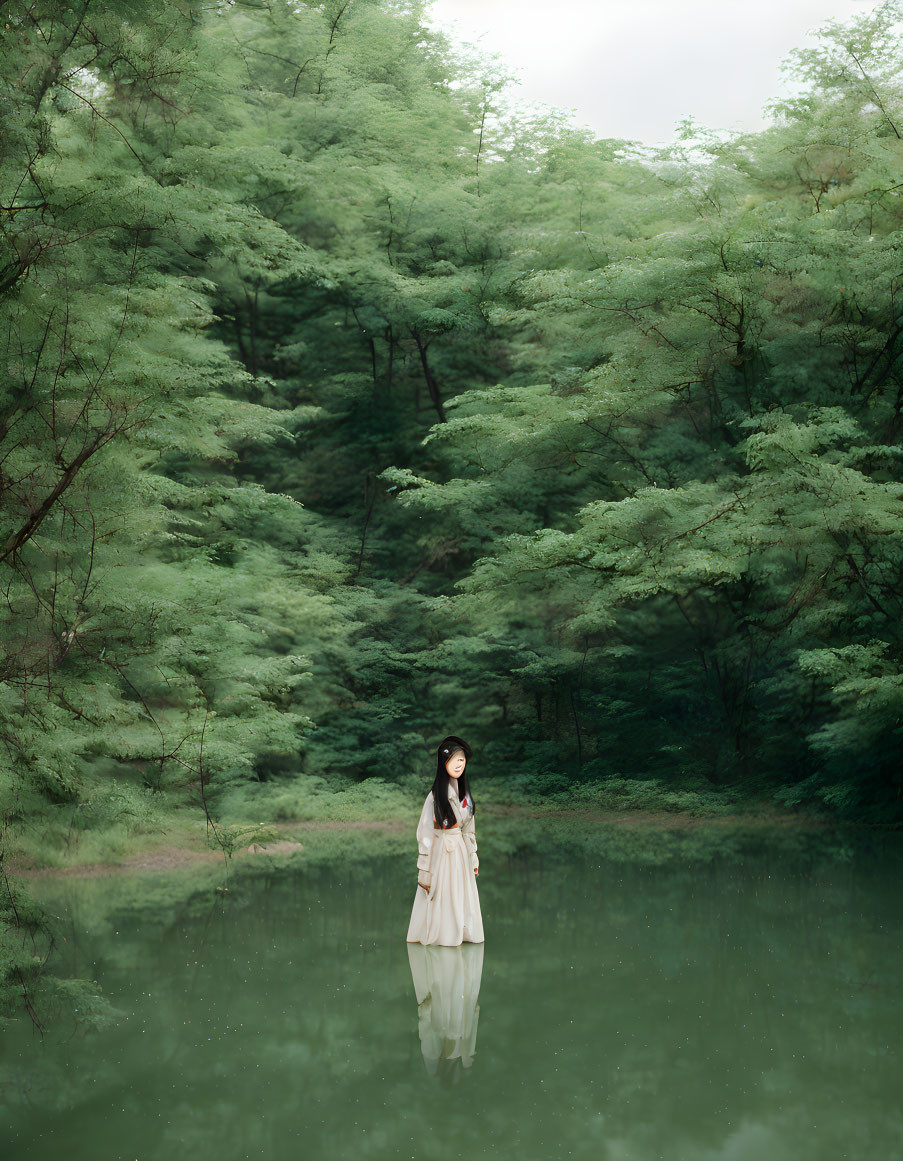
(193, 851)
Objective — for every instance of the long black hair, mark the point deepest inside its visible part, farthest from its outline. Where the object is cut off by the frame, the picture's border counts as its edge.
(444, 815)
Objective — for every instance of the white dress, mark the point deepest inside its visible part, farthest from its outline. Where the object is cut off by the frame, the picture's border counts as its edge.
(446, 860)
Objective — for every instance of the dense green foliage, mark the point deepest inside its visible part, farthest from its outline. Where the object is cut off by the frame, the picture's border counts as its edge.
(346, 405)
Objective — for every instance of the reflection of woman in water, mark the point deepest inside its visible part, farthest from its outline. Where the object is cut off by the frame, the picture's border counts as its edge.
(447, 987)
(447, 904)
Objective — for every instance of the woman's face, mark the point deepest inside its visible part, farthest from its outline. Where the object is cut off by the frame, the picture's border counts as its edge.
(455, 765)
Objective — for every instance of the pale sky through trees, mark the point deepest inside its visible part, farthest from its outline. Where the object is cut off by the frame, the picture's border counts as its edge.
(636, 69)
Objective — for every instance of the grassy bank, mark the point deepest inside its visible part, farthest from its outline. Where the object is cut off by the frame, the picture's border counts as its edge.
(125, 829)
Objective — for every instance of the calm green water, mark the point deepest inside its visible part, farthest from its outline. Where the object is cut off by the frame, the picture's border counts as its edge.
(744, 1005)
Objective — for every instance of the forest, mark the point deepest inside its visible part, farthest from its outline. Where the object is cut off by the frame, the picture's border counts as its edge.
(348, 403)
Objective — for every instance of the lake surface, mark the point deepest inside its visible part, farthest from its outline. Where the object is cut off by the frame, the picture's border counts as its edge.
(738, 1004)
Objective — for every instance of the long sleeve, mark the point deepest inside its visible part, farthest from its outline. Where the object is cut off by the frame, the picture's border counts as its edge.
(425, 841)
(470, 836)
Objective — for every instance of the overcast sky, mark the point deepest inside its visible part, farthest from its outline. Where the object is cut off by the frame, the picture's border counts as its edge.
(634, 68)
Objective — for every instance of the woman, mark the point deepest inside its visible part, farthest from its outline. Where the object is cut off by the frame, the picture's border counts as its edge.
(447, 904)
